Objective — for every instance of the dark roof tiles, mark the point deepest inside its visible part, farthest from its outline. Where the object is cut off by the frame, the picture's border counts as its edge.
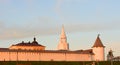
(34, 43)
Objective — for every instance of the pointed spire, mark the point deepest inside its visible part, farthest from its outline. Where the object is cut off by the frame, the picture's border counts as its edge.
(63, 35)
(98, 42)
(98, 35)
(63, 45)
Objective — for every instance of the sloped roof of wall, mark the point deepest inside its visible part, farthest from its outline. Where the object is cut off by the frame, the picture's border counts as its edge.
(48, 51)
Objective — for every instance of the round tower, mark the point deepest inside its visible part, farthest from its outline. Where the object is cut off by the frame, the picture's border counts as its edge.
(98, 50)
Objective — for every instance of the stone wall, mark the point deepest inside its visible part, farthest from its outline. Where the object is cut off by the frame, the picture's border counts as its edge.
(43, 56)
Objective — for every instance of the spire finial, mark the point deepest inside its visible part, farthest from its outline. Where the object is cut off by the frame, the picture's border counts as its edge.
(63, 35)
(34, 39)
(98, 35)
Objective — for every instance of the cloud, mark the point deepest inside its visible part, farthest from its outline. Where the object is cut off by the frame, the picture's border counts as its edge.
(40, 28)
(58, 10)
(10, 33)
(92, 27)
(58, 6)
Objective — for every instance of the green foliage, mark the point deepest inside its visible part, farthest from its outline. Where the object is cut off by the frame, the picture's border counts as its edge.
(57, 63)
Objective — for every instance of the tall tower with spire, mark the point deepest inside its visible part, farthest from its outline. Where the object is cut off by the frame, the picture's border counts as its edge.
(98, 50)
(63, 45)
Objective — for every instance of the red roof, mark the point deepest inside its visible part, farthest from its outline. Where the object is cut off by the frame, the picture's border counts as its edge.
(98, 43)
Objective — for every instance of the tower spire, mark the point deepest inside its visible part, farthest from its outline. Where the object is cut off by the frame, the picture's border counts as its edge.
(63, 45)
(98, 35)
(63, 35)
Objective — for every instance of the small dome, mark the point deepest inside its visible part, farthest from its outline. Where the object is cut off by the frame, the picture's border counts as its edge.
(34, 41)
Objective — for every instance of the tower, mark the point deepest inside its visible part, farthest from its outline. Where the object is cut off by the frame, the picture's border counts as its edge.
(110, 55)
(98, 50)
(63, 45)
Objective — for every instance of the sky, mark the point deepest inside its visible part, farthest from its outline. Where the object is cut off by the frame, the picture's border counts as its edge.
(83, 20)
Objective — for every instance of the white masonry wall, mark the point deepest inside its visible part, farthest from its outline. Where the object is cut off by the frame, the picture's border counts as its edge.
(99, 54)
(44, 56)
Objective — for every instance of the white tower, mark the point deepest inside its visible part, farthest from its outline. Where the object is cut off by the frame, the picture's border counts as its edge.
(98, 50)
(63, 45)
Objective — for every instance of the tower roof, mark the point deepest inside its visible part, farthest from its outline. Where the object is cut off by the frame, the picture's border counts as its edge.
(63, 35)
(98, 42)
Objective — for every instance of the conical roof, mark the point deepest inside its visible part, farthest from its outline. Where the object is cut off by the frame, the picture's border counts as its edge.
(63, 35)
(98, 42)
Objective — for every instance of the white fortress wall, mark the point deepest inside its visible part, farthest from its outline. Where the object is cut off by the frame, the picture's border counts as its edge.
(4, 56)
(43, 56)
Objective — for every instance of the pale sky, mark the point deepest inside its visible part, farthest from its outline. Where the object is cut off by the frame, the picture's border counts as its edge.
(21, 20)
